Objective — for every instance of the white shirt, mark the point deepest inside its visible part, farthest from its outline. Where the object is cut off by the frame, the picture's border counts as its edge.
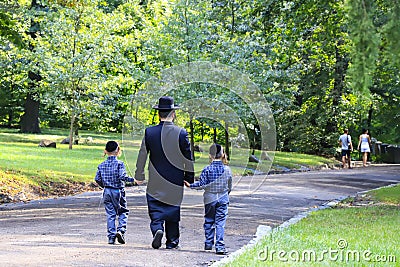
(346, 140)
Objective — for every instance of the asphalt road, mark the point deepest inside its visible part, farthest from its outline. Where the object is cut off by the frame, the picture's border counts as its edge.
(71, 231)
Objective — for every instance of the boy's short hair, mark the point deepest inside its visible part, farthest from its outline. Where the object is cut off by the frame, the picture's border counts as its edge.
(216, 151)
(111, 146)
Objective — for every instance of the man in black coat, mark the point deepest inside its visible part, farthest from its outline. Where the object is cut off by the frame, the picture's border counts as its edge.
(170, 164)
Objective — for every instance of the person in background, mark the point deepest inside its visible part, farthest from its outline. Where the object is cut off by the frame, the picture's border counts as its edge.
(216, 180)
(364, 143)
(347, 148)
(111, 175)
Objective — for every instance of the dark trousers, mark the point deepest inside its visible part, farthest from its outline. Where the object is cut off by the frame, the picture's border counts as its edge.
(162, 214)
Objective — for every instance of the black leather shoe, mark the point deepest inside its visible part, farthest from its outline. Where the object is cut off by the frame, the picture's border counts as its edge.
(120, 237)
(221, 252)
(208, 247)
(156, 244)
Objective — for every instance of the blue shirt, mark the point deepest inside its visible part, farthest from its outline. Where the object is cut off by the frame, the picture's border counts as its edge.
(112, 173)
(215, 178)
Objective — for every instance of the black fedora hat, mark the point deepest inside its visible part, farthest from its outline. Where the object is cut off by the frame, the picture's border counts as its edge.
(166, 103)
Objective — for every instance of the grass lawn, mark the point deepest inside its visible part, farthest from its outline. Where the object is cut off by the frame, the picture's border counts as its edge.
(24, 163)
(21, 156)
(345, 235)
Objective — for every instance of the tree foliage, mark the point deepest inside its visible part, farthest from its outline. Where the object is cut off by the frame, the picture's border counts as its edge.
(321, 65)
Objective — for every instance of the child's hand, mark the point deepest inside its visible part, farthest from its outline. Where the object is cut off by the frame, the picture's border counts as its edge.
(100, 183)
(139, 182)
(186, 183)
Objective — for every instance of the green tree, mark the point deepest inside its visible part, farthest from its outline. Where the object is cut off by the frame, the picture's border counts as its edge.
(8, 25)
(74, 43)
(365, 40)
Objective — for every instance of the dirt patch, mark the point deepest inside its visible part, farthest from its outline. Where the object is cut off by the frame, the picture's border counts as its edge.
(21, 192)
(359, 200)
(362, 200)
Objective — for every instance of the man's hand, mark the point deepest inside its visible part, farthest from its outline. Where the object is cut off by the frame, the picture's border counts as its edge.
(187, 184)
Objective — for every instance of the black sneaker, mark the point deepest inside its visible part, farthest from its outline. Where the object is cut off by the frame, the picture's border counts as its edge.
(156, 244)
(208, 247)
(111, 241)
(120, 237)
(221, 251)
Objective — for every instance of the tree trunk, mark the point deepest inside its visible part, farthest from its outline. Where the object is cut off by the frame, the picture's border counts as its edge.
(10, 118)
(202, 131)
(341, 66)
(215, 135)
(226, 141)
(30, 119)
(153, 120)
(71, 130)
(369, 120)
(192, 138)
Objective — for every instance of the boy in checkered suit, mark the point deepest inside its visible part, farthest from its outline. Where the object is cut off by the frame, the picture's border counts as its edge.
(111, 175)
(216, 180)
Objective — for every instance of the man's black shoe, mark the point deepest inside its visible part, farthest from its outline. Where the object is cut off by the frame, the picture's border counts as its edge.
(120, 237)
(208, 247)
(111, 240)
(156, 244)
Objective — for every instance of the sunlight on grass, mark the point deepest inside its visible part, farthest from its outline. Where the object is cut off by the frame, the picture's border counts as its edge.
(13, 181)
(51, 164)
(390, 195)
(20, 154)
(293, 159)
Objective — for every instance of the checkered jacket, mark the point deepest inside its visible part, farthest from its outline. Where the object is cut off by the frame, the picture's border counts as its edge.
(215, 178)
(112, 173)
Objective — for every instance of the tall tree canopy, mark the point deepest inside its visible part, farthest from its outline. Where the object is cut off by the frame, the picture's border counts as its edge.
(321, 65)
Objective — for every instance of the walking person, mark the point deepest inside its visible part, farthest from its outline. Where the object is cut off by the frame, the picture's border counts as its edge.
(347, 148)
(168, 148)
(216, 180)
(111, 175)
(364, 143)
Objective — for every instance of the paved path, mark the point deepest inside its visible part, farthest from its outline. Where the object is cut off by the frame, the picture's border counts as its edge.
(71, 231)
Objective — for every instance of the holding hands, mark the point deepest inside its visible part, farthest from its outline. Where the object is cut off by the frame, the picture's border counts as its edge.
(139, 182)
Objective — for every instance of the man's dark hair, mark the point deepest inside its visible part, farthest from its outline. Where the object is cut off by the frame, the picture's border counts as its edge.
(165, 113)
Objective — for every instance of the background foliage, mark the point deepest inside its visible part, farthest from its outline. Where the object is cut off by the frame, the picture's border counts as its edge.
(321, 65)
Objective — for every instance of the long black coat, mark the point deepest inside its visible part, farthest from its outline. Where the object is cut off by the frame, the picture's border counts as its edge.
(170, 164)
